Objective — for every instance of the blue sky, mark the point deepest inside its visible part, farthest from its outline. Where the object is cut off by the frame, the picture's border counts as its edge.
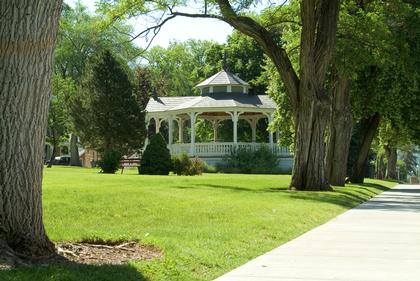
(180, 29)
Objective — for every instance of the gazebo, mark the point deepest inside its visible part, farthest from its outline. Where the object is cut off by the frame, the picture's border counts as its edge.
(224, 96)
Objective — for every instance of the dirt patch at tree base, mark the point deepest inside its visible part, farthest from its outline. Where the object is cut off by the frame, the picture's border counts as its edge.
(85, 252)
(107, 252)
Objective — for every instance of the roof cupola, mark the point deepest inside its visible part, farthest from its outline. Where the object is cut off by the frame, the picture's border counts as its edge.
(223, 82)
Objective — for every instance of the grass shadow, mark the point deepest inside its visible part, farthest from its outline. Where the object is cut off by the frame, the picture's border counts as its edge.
(231, 188)
(348, 197)
(73, 272)
(347, 200)
(351, 195)
(374, 185)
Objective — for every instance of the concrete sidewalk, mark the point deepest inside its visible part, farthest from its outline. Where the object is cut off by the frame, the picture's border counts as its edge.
(376, 241)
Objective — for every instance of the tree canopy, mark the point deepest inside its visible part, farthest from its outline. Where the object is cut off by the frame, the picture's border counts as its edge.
(110, 116)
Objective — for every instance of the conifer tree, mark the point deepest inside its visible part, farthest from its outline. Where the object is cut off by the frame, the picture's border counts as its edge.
(112, 119)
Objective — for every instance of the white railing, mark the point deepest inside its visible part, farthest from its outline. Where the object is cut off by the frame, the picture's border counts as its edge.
(179, 148)
(220, 149)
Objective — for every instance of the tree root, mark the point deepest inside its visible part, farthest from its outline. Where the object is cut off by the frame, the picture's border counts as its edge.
(10, 258)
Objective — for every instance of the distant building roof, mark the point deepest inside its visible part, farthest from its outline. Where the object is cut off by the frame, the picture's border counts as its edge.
(216, 101)
(223, 78)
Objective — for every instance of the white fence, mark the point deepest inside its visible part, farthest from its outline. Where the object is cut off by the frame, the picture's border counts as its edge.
(220, 149)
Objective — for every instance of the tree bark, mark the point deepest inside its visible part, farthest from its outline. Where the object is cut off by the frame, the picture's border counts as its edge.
(74, 151)
(391, 167)
(340, 129)
(309, 161)
(370, 126)
(27, 39)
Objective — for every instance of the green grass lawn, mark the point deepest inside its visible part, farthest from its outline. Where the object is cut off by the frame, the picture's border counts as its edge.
(205, 225)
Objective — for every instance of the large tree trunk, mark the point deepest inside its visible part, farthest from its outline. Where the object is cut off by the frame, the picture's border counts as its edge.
(369, 127)
(340, 128)
(307, 94)
(312, 104)
(74, 151)
(309, 162)
(27, 40)
(391, 167)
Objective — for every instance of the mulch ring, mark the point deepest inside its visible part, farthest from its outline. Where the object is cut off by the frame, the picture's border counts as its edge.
(106, 252)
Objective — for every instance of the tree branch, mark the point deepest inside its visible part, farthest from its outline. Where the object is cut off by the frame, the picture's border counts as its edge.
(276, 53)
(156, 28)
(282, 21)
(325, 35)
(318, 37)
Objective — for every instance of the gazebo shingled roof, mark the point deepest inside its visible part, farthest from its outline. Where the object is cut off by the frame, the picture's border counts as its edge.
(223, 77)
(226, 100)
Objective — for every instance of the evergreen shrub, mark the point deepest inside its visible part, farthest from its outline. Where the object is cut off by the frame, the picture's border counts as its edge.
(156, 159)
(110, 161)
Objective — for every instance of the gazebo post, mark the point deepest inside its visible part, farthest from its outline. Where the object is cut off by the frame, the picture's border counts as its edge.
(235, 117)
(170, 128)
(215, 124)
(192, 118)
(180, 130)
(157, 125)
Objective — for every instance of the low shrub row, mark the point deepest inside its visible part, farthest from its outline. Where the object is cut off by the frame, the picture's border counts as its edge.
(182, 165)
(246, 161)
(156, 160)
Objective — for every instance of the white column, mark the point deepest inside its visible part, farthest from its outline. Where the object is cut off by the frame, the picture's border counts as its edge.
(170, 129)
(277, 136)
(181, 130)
(192, 118)
(157, 123)
(215, 129)
(270, 133)
(235, 117)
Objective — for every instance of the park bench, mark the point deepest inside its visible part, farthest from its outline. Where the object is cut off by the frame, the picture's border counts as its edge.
(130, 162)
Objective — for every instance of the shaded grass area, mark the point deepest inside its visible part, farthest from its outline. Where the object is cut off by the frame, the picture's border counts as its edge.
(74, 272)
(205, 225)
